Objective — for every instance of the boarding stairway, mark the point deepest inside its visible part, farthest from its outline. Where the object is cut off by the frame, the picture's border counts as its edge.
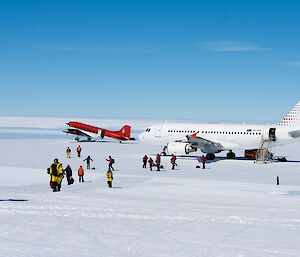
(263, 153)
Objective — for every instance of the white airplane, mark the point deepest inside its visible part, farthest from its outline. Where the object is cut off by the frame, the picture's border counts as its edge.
(184, 138)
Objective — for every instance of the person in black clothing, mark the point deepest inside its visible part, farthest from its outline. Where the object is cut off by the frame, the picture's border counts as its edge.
(203, 159)
(145, 158)
(111, 161)
(88, 162)
(68, 172)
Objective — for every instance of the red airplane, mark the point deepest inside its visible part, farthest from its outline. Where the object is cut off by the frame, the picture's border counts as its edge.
(83, 130)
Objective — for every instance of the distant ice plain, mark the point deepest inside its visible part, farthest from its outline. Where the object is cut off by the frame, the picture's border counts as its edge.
(233, 208)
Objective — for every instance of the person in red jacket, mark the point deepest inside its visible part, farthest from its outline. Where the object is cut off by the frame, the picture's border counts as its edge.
(80, 173)
(158, 162)
(145, 158)
(203, 161)
(150, 163)
(173, 161)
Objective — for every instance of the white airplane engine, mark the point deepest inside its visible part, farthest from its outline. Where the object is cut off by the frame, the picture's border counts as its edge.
(180, 148)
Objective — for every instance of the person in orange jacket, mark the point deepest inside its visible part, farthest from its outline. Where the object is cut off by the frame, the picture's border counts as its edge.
(80, 174)
(78, 151)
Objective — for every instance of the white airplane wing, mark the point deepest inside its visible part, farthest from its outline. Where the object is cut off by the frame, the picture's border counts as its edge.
(294, 133)
(201, 142)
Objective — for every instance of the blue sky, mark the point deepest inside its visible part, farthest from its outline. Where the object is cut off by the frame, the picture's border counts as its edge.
(203, 60)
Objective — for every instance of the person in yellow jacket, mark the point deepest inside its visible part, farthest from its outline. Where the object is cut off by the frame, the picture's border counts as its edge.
(110, 177)
(68, 151)
(80, 173)
(57, 174)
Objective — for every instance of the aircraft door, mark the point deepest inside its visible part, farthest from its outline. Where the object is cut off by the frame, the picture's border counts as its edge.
(101, 133)
(272, 134)
(269, 133)
(158, 131)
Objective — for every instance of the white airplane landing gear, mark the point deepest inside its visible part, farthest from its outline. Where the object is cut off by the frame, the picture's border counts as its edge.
(230, 155)
(210, 156)
(163, 153)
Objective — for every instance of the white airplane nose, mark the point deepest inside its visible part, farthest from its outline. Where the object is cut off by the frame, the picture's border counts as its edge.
(142, 136)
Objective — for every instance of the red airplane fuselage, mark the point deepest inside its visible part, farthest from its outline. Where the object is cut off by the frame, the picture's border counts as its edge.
(84, 130)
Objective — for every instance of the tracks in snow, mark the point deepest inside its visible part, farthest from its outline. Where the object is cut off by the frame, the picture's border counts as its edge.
(140, 213)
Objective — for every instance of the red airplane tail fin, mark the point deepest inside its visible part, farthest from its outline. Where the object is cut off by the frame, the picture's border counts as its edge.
(125, 131)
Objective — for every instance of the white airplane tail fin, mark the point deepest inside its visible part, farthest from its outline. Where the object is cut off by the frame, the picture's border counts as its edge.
(292, 118)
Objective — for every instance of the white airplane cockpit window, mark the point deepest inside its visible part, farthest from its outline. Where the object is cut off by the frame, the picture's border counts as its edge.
(148, 130)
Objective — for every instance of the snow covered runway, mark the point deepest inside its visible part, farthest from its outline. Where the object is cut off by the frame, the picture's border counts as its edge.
(233, 208)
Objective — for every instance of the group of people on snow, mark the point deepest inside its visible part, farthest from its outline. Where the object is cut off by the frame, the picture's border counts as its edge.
(157, 162)
(68, 151)
(152, 163)
(57, 172)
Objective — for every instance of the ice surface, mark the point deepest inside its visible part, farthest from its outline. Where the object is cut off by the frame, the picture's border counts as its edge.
(232, 208)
